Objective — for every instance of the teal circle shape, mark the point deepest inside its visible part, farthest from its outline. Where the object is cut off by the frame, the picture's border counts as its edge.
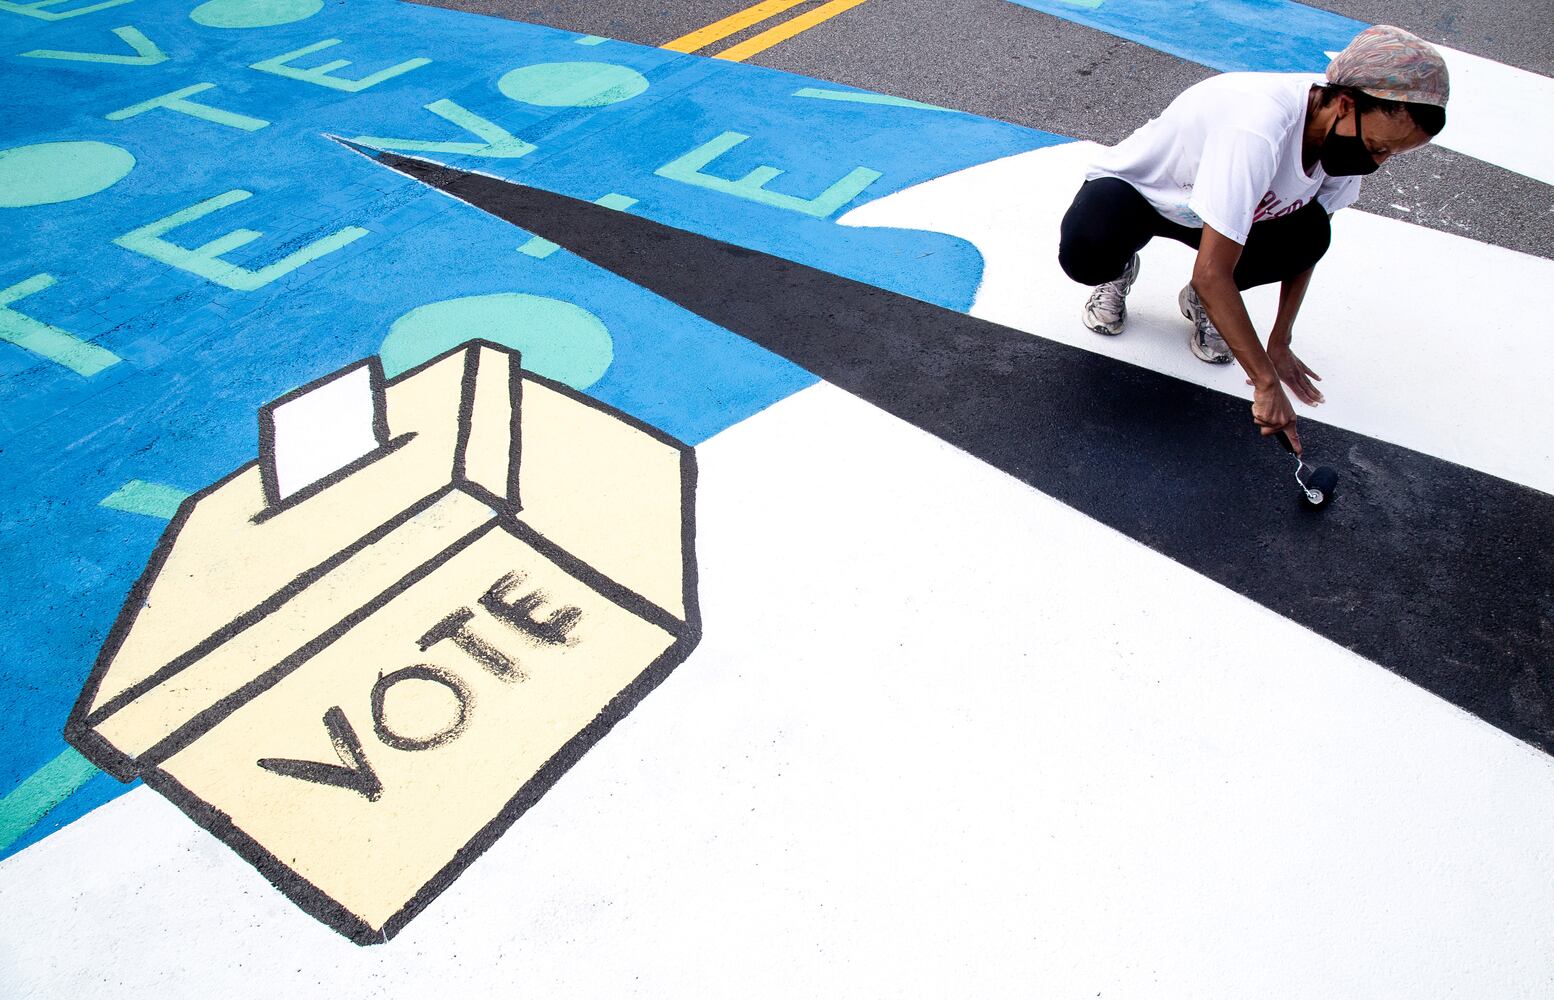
(253, 13)
(557, 339)
(51, 172)
(573, 84)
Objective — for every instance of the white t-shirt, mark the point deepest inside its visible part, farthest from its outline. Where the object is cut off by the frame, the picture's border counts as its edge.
(1226, 152)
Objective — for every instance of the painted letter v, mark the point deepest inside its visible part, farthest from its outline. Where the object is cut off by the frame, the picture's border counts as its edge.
(147, 53)
(498, 141)
(353, 771)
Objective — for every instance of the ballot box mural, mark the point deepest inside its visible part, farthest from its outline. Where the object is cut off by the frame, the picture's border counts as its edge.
(359, 659)
(186, 219)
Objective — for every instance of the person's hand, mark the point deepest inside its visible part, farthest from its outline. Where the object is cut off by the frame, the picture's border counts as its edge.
(1294, 373)
(1272, 412)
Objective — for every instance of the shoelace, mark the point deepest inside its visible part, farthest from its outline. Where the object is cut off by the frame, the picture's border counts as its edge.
(1107, 296)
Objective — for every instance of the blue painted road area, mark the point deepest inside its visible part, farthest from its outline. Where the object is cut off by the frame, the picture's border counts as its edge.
(1229, 35)
(185, 239)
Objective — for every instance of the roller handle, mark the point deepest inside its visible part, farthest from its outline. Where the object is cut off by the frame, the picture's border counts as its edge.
(1284, 442)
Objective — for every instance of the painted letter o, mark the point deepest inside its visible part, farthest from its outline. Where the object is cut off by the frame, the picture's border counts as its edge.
(420, 672)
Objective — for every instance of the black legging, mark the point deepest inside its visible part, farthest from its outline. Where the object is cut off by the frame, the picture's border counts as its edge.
(1110, 221)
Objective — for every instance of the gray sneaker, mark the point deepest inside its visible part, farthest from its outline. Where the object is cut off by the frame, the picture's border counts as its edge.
(1107, 310)
(1204, 340)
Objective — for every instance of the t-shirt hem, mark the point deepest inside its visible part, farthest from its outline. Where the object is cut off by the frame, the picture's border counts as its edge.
(1238, 234)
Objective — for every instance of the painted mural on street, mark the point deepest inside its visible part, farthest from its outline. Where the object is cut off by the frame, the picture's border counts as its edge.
(138, 281)
(484, 566)
(491, 507)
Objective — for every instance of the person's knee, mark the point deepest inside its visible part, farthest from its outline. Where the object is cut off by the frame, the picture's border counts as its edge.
(1106, 224)
(1321, 234)
(1311, 240)
(1087, 261)
(1281, 249)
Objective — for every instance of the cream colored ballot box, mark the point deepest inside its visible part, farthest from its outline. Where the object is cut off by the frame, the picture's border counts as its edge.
(359, 659)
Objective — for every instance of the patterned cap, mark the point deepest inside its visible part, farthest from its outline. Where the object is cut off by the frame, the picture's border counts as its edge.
(1392, 64)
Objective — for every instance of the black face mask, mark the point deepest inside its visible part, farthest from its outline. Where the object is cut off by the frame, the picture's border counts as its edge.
(1346, 155)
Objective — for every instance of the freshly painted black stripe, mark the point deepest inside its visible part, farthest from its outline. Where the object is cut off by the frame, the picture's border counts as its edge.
(1440, 573)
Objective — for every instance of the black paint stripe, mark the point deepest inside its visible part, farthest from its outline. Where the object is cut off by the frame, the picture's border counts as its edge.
(1440, 573)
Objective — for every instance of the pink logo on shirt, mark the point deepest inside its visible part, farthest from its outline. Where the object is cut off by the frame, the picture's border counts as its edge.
(1268, 208)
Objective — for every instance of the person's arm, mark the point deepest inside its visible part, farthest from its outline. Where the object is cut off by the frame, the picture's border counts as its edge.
(1213, 278)
(1292, 371)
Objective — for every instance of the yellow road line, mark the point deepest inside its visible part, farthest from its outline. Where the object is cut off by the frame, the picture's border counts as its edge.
(785, 30)
(702, 37)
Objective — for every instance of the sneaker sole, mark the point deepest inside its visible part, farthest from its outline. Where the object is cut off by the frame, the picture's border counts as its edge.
(1104, 331)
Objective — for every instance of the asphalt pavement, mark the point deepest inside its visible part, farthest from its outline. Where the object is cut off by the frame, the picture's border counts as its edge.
(1000, 60)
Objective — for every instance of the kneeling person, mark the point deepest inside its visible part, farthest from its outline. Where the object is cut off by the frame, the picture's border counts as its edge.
(1246, 168)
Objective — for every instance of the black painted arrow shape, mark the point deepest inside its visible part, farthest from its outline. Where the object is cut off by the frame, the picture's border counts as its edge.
(1438, 572)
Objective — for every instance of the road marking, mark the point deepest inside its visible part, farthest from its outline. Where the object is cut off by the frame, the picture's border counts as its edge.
(856, 97)
(1500, 114)
(48, 786)
(717, 30)
(786, 30)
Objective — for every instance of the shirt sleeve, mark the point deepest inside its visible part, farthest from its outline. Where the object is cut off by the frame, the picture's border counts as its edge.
(1235, 171)
(1338, 192)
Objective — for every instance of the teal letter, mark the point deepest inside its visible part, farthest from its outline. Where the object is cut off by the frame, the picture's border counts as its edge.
(687, 169)
(498, 141)
(37, 9)
(150, 499)
(206, 261)
(146, 52)
(80, 356)
(175, 102)
(320, 74)
(861, 97)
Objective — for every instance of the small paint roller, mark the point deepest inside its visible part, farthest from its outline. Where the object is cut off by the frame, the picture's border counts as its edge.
(1319, 485)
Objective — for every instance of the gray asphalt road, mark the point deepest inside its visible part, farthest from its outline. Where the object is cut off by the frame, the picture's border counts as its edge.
(1000, 60)
(1519, 33)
